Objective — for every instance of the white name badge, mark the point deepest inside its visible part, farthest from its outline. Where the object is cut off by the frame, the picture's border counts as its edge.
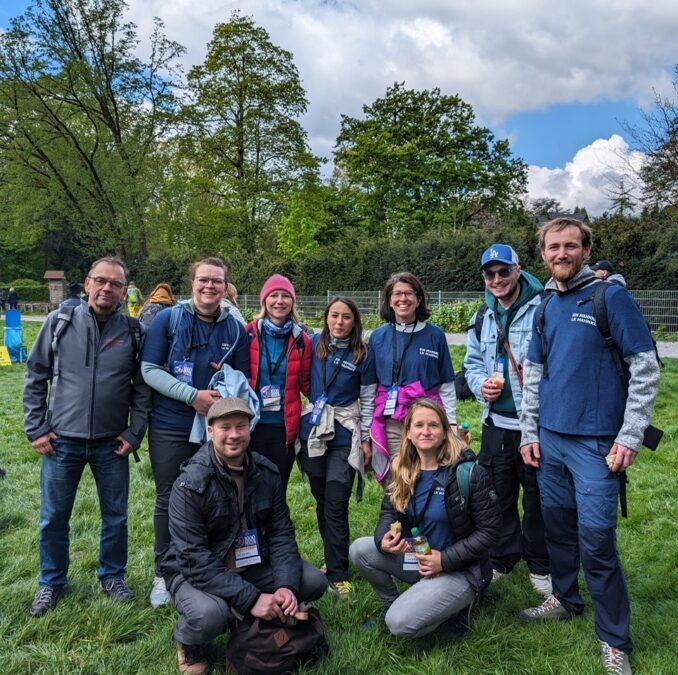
(183, 371)
(246, 547)
(270, 398)
(391, 400)
(410, 563)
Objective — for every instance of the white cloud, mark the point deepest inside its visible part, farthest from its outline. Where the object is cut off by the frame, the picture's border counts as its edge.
(588, 179)
(502, 57)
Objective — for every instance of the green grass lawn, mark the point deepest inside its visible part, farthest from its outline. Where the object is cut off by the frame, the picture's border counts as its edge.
(89, 634)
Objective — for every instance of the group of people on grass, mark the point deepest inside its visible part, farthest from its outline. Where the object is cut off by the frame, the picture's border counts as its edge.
(229, 408)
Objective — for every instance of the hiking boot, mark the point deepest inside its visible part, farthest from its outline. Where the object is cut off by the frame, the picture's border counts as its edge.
(541, 583)
(192, 659)
(159, 593)
(45, 600)
(341, 588)
(615, 661)
(549, 610)
(118, 590)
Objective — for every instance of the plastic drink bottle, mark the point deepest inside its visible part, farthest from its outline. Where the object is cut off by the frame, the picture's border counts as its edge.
(464, 431)
(420, 542)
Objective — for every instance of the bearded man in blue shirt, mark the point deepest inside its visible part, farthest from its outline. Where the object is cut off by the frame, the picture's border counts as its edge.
(581, 426)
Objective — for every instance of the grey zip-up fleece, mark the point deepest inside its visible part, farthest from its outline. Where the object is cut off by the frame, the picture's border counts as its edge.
(99, 392)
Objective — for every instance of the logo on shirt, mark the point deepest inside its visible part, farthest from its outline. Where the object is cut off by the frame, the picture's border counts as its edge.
(578, 317)
(225, 346)
(428, 352)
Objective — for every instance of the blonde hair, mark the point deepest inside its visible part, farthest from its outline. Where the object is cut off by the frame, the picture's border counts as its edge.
(406, 466)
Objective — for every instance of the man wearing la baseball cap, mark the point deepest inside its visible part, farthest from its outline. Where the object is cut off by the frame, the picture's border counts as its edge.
(497, 344)
(232, 541)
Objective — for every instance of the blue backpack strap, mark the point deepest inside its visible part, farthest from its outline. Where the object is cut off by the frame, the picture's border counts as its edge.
(63, 319)
(463, 473)
(539, 320)
(175, 319)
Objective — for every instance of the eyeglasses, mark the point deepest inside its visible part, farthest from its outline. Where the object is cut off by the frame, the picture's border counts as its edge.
(114, 283)
(206, 281)
(404, 294)
(503, 272)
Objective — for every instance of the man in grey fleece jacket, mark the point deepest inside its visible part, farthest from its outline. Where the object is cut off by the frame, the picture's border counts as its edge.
(86, 403)
(580, 428)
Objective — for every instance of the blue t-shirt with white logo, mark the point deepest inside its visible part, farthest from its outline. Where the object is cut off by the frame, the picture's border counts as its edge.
(426, 356)
(433, 522)
(344, 390)
(581, 392)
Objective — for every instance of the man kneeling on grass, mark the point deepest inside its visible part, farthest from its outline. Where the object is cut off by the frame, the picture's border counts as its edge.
(232, 548)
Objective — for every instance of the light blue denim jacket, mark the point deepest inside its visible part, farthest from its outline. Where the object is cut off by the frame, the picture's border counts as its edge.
(481, 355)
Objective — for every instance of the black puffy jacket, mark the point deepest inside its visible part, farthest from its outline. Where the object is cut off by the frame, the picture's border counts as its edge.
(204, 520)
(475, 527)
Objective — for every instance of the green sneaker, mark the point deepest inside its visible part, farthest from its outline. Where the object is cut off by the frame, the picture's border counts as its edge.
(549, 610)
(615, 661)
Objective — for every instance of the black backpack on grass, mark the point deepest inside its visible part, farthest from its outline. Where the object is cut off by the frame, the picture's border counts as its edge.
(260, 647)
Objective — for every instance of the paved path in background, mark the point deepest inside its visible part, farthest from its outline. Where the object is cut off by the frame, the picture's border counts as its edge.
(667, 350)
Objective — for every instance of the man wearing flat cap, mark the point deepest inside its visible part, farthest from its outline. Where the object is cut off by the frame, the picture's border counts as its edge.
(232, 549)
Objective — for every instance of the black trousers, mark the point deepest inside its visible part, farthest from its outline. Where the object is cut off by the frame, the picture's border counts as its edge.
(270, 441)
(331, 478)
(168, 450)
(500, 455)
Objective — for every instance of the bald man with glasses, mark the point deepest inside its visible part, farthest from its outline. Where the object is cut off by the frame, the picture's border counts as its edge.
(497, 344)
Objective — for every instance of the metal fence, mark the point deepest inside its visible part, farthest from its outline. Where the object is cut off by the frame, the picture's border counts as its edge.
(659, 307)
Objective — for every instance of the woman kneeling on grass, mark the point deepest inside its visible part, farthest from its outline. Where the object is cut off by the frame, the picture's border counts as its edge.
(425, 494)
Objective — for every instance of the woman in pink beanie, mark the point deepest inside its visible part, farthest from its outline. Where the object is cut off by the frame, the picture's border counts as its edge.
(280, 360)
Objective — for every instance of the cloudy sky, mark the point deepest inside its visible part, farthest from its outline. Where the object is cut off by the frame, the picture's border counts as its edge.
(555, 78)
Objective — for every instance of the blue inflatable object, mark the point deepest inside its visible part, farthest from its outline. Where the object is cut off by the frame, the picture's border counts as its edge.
(14, 336)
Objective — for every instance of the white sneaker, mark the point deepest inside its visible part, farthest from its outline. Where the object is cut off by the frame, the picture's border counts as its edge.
(496, 575)
(541, 583)
(615, 661)
(159, 593)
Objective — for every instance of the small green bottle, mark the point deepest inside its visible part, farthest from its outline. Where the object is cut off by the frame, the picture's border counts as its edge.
(420, 542)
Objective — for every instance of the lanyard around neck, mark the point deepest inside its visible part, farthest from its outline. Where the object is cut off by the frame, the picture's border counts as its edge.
(398, 363)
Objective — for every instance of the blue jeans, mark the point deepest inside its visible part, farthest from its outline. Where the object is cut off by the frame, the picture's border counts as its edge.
(59, 479)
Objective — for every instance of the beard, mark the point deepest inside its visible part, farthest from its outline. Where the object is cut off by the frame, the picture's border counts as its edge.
(564, 274)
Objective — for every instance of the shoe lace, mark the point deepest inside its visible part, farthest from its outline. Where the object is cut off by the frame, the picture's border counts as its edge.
(613, 659)
(117, 586)
(550, 603)
(343, 587)
(44, 594)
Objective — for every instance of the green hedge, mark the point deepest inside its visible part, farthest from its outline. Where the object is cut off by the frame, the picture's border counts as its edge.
(33, 293)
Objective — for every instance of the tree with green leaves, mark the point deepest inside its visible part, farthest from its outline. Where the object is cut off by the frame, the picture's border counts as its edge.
(423, 164)
(81, 120)
(242, 142)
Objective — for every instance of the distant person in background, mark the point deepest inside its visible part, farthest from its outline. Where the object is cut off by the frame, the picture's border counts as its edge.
(3, 300)
(73, 299)
(160, 297)
(13, 299)
(134, 300)
(231, 301)
(604, 270)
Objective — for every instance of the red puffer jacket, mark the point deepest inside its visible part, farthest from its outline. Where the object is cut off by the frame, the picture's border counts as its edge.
(297, 375)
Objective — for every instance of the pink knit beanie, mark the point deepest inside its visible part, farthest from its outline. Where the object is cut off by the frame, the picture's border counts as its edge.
(276, 283)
